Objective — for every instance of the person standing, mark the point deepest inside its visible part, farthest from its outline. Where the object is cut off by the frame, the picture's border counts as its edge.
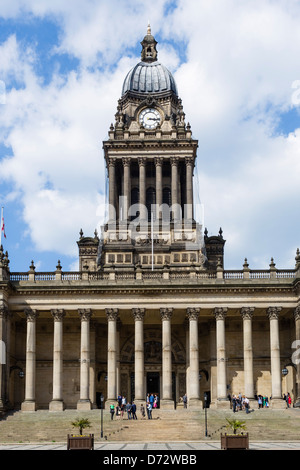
(234, 403)
(112, 411)
(133, 410)
(142, 410)
(184, 399)
(149, 410)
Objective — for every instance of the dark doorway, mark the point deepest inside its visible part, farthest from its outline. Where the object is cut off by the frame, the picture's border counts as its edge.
(153, 385)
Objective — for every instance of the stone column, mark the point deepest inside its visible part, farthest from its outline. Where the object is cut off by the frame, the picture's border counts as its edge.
(127, 188)
(174, 187)
(3, 357)
(166, 402)
(112, 317)
(273, 315)
(158, 184)
(84, 402)
(29, 403)
(189, 165)
(247, 314)
(57, 398)
(222, 400)
(138, 314)
(187, 348)
(297, 359)
(194, 387)
(112, 189)
(142, 188)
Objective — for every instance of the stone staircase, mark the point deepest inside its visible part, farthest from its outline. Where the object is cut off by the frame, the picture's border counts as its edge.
(45, 426)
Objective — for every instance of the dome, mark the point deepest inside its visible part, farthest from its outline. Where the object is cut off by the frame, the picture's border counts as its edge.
(149, 77)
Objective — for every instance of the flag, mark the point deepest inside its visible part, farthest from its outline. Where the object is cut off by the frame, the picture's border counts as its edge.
(2, 224)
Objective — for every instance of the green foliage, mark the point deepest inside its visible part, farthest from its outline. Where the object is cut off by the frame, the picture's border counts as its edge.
(235, 425)
(81, 423)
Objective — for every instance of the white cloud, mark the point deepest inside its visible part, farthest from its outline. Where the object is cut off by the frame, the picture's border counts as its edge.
(241, 62)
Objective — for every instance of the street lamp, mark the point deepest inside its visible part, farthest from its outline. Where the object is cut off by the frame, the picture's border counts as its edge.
(102, 402)
(205, 412)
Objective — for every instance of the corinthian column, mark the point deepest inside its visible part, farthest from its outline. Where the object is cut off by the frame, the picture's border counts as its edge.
(4, 372)
(174, 187)
(273, 314)
(194, 388)
(189, 165)
(112, 316)
(138, 314)
(222, 400)
(112, 189)
(57, 399)
(247, 313)
(296, 360)
(166, 402)
(84, 402)
(29, 403)
(127, 187)
(142, 189)
(158, 184)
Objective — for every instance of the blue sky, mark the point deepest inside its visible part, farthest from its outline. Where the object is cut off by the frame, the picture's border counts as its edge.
(62, 65)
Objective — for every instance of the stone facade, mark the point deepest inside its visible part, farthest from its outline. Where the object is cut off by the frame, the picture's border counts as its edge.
(152, 308)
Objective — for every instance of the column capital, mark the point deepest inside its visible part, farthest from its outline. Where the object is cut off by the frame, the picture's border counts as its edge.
(193, 313)
(111, 161)
(247, 313)
(174, 160)
(112, 314)
(166, 313)
(220, 313)
(31, 314)
(189, 161)
(138, 313)
(142, 161)
(297, 313)
(4, 312)
(273, 312)
(126, 161)
(85, 314)
(158, 161)
(58, 314)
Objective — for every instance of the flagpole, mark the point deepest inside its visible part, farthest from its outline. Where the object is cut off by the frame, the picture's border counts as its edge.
(152, 236)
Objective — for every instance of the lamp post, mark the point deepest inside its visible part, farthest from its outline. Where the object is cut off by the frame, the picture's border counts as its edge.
(102, 402)
(205, 412)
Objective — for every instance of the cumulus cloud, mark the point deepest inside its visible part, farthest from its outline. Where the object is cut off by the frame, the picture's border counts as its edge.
(236, 80)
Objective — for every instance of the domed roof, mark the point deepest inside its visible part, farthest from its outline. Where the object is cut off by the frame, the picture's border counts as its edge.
(149, 77)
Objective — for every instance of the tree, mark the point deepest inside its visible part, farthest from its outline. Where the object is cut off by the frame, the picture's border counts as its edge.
(81, 423)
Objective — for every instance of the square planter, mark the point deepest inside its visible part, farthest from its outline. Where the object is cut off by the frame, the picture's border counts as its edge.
(235, 441)
(77, 442)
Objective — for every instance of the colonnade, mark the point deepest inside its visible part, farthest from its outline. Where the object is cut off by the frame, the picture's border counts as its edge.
(158, 162)
(138, 314)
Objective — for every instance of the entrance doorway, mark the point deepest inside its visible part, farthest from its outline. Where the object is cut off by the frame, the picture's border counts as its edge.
(153, 383)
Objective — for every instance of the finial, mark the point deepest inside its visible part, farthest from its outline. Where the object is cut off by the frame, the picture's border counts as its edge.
(149, 29)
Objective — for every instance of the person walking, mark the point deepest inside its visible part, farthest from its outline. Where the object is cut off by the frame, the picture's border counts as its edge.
(149, 410)
(247, 404)
(112, 411)
(234, 403)
(142, 410)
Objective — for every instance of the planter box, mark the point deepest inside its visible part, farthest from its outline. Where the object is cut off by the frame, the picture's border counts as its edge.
(85, 442)
(235, 441)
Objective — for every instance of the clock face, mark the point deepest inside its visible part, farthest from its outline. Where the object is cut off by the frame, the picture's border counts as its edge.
(150, 118)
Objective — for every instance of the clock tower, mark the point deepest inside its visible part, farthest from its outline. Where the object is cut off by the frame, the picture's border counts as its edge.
(150, 157)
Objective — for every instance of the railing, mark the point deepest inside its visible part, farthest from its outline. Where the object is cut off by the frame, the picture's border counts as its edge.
(156, 274)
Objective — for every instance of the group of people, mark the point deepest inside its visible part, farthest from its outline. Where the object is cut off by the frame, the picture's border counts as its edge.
(263, 401)
(240, 402)
(123, 407)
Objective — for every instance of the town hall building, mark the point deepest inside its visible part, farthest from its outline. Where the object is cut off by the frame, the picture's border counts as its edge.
(152, 308)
